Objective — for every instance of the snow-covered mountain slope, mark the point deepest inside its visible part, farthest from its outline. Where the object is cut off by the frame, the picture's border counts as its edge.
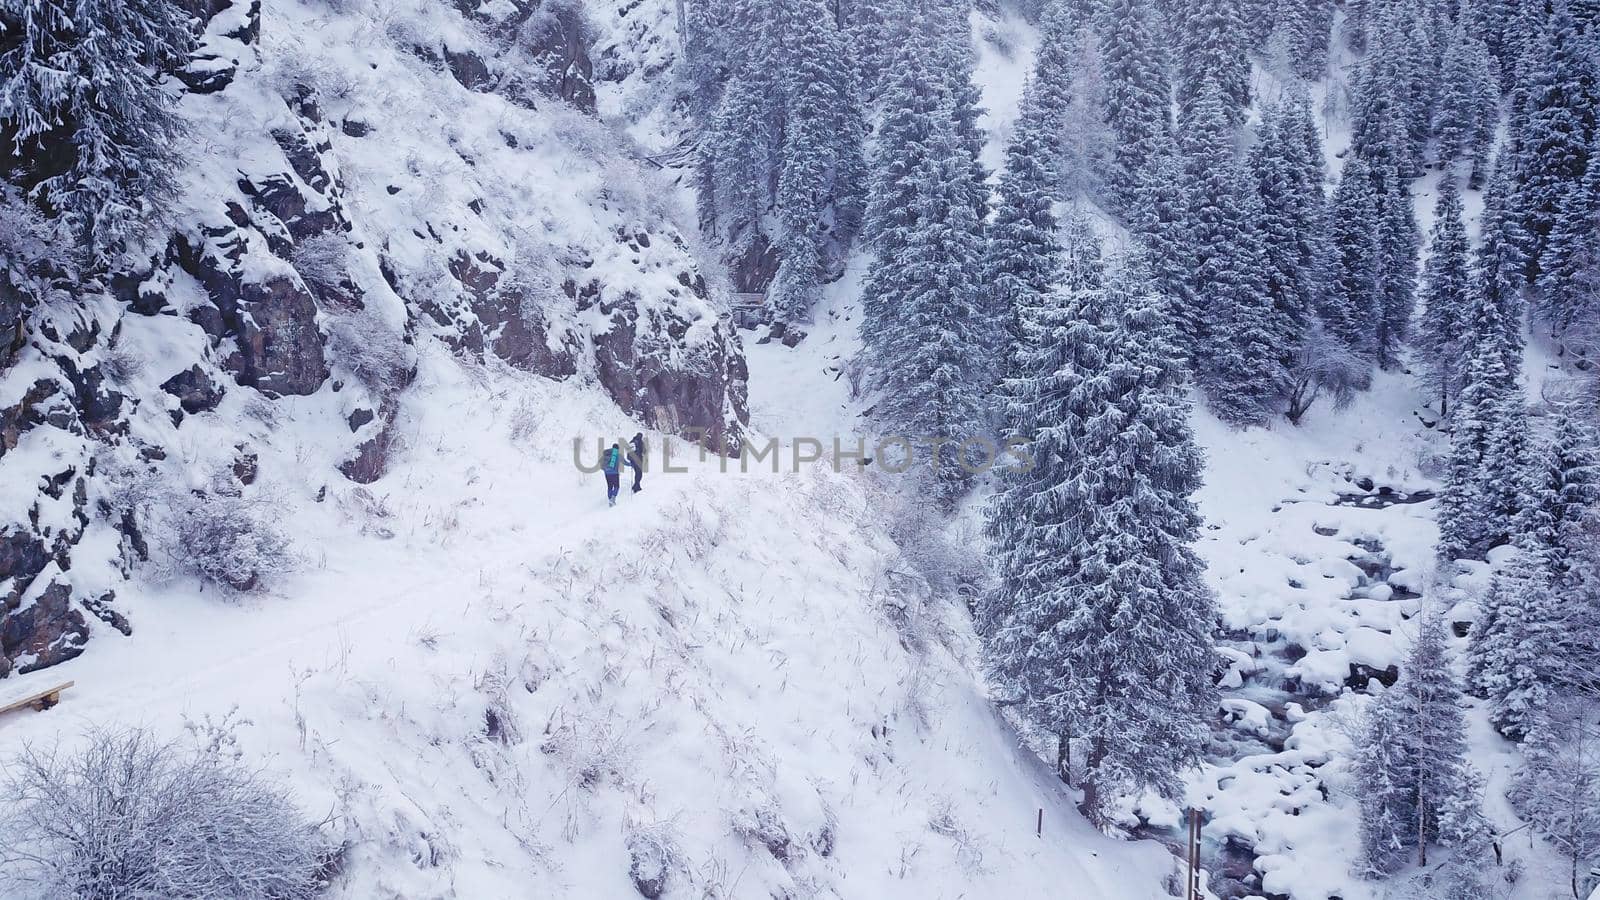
(364, 179)
(499, 687)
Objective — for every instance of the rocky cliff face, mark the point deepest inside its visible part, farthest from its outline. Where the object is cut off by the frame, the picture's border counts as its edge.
(356, 186)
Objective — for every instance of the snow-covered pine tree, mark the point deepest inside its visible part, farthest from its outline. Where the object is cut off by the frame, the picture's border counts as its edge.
(1487, 439)
(1239, 363)
(822, 166)
(1354, 301)
(1021, 258)
(869, 29)
(1559, 92)
(1137, 94)
(1060, 28)
(1447, 295)
(89, 129)
(1469, 103)
(1416, 786)
(1538, 619)
(784, 137)
(1307, 25)
(1558, 787)
(1160, 222)
(1491, 20)
(1100, 623)
(1507, 659)
(1294, 213)
(1500, 265)
(1399, 242)
(737, 161)
(1563, 490)
(1214, 48)
(1566, 286)
(1088, 154)
(1391, 106)
(957, 60)
(928, 324)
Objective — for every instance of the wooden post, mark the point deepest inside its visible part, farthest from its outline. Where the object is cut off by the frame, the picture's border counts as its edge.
(1192, 890)
(1038, 829)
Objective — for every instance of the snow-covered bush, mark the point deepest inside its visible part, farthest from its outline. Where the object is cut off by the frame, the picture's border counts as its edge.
(128, 816)
(233, 542)
(371, 349)
(323, 260)
(951, 563)
(652, 855)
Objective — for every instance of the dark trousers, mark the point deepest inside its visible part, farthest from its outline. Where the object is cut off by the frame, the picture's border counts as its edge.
(613, 485)
(638, 475)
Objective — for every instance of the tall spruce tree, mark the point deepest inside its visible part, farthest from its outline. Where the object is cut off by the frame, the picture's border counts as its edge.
(1447, 295)
(1500, 266)
(1214, 49)
(1535, 623)
(1021, 259)
(1354, 300)
(934, 374)
(1557, 789)
(911, 108)
(1399, 242)
(1088, 155)
(1558, 91)
(1161, 224)
(1100, 623)
(821, 157)
(1487, 439)
(1137, 95)
(955, 64)
(785, 137)
(1566, 284)
(1469, 103)
(924, 323)
(89, 128)
(1293, 228)
(1416, 786)
(1307, 26)
(1239, 363)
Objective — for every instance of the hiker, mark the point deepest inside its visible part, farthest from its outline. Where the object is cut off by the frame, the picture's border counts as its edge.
(613, 469)
(636, 461)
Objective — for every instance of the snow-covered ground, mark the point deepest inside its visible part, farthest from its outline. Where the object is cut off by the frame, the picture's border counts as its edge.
(497, 686)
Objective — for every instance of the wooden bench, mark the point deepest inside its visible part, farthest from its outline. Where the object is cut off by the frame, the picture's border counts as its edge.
(41, 701)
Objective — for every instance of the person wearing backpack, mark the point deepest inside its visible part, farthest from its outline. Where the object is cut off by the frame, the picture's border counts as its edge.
(636, 461)
(612, 465)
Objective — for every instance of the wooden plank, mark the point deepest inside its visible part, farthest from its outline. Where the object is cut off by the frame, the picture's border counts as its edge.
(42, 700)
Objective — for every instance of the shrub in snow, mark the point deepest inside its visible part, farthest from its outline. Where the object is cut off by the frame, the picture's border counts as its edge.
(651, 853)
(323, 260)
(230, 541)
(372, 350)
(127, 816)
(951, 563)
